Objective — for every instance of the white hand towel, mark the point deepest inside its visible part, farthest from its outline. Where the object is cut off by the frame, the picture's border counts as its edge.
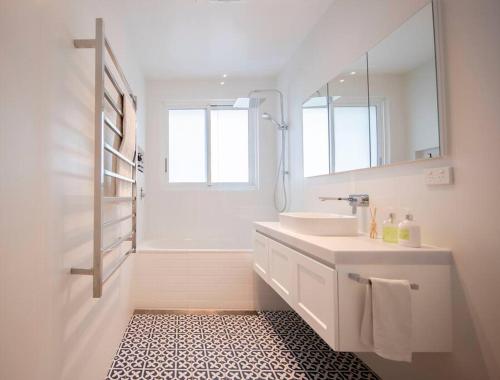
(387, 319)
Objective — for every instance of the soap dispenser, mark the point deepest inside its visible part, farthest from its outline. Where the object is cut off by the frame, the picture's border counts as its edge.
(409, 232)
(390, 229)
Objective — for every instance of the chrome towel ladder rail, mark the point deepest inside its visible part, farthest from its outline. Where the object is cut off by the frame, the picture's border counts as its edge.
(101, 46)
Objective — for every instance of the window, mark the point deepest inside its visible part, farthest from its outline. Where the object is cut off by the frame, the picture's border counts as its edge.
(212, 146)
(229, 146)
(186, 146)
(315, 141)
(355, 138)
(352, 138)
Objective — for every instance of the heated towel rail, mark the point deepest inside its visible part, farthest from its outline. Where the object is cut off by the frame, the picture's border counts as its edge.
(104, 74)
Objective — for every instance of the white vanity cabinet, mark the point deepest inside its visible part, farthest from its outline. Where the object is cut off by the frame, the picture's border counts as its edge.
(281, 270)
(316, 284)
(308, 286)
(316, 298)
(260, 255)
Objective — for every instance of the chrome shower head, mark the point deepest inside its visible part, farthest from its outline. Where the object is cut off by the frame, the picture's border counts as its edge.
(246, 103)
(267, 116)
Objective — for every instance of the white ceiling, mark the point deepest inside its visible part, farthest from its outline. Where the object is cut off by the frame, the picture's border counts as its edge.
(207, 38)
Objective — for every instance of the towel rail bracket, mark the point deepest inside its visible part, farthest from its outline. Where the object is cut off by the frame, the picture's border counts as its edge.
(84, 43)
(83, 271)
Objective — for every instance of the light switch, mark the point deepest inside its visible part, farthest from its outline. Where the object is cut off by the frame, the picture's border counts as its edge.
(439, 176)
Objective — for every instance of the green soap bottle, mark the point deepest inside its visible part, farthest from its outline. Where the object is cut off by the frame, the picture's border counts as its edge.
(390, 230)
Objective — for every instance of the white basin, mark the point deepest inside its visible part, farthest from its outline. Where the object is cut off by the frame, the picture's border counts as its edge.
(319, 224)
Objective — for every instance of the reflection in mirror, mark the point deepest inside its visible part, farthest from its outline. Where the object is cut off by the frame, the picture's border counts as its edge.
(350, 123)
(403, 91)
(315, 134)
(380, 110)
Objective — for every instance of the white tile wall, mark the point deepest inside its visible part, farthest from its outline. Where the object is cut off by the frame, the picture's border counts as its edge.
(200, 280)
(211, 218)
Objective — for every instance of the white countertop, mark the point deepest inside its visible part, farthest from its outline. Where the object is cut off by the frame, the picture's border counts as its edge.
(354, 250)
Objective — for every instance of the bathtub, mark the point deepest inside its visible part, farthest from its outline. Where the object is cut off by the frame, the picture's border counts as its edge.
(192, 245)
(191, 277)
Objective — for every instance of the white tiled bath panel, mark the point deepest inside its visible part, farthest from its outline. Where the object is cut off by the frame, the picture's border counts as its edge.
(263, 345)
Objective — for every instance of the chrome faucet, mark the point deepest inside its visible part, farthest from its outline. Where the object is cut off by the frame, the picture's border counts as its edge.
(355, 201)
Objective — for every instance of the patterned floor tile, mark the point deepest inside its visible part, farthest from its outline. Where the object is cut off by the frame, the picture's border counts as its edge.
(268, 345)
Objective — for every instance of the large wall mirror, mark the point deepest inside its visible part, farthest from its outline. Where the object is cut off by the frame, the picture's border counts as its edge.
(380, 110)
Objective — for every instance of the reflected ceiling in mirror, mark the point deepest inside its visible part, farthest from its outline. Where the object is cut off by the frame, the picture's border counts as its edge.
(403, 89)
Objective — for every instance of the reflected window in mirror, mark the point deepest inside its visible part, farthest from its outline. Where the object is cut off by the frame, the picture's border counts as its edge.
(315, 134)
(350, 121)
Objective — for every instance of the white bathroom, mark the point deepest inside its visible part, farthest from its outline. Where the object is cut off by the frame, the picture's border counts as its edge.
(249, 189)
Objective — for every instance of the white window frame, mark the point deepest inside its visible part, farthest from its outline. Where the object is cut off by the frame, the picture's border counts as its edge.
(252, 183)
(383, 132)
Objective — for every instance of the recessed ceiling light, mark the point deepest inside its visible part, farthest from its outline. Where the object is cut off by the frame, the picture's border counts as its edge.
(353, 72)
(222, 83)
(342, 80)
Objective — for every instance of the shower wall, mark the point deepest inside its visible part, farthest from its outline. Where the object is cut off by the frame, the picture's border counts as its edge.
(50, 327)
(204, 218)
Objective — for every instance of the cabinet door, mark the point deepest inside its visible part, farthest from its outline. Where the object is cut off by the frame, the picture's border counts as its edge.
(281, 270)
(260, 255)
(316, 297)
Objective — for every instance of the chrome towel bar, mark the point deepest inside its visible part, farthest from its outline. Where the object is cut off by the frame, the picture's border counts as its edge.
(109, 173)
(111, 77)
(112, 126)
(112, 103)
(117, 242)
(366, 281)
(113, 151)
(116, 221)
(118, 199)
(117, 265)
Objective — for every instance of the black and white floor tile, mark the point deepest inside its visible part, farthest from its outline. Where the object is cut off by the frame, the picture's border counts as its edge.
(260, 346)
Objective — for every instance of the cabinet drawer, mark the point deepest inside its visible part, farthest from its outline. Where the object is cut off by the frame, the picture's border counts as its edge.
(260, 255)
(316, 297)
(281, 270)
(430, 304)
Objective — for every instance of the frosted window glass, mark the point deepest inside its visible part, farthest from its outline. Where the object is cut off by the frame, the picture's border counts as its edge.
(229, 141)
(352, 138)
(186, 146)
(315, 141)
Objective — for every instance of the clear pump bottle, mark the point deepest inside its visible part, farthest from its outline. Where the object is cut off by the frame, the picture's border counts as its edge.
(390, 229)
(409, 232)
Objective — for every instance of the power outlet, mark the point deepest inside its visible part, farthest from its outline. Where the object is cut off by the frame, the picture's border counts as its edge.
(438, 176)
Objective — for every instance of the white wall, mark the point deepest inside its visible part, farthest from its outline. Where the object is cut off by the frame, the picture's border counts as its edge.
(204, 218)
(461, 216)
(50, 327)
(390, 89)
(421, 104)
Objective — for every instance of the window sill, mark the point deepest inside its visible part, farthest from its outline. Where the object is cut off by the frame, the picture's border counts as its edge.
(213, 187)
